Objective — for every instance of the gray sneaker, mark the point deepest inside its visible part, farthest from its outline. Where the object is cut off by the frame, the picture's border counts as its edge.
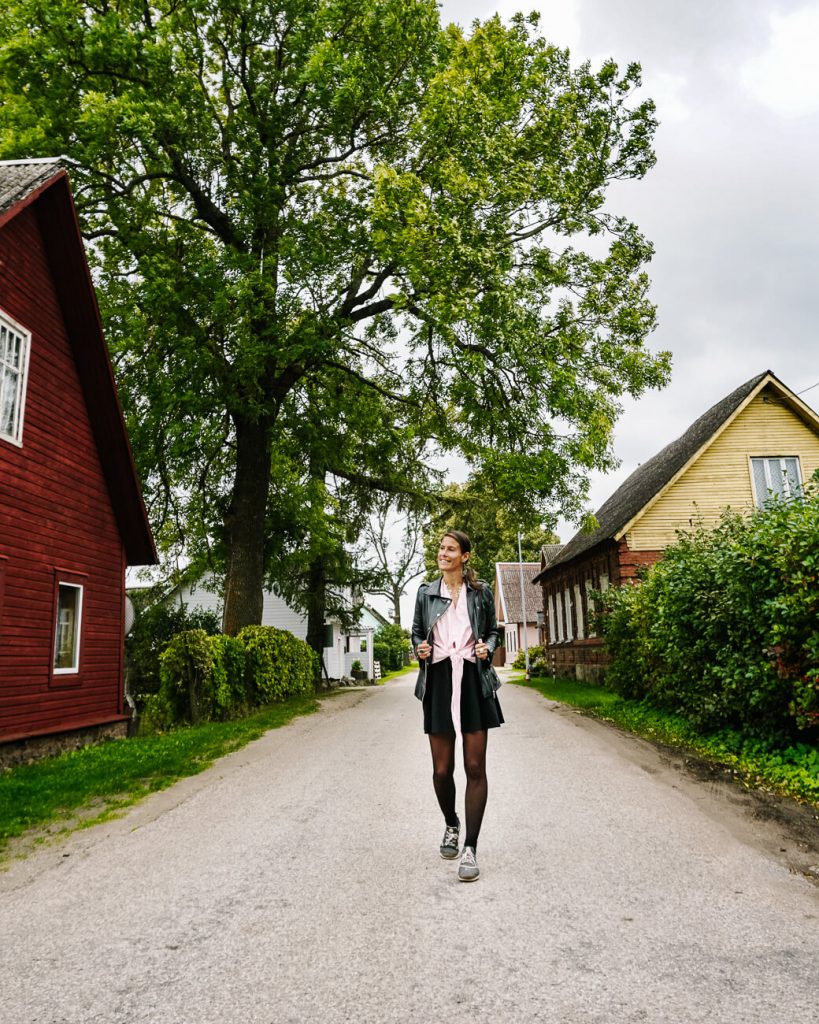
(468, 870)
(449, 844)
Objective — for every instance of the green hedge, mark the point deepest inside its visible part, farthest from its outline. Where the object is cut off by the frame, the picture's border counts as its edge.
(537, 660)
(381, 654)
(392, 642)
(725, 629)
(212, 678)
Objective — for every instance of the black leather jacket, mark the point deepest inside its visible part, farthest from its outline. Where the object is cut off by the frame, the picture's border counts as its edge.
(430, 605)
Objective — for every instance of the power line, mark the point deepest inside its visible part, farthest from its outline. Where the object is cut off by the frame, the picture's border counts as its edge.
(816, 385)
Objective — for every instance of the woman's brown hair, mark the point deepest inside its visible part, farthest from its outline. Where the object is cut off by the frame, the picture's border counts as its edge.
(465, 544)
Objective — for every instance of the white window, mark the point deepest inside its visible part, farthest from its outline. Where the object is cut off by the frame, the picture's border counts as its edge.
(67, 633)
(14, 344)
(604, 582)
(578, 604)
(776, 477)
(560, 620)
(552, 620)
(567, 604)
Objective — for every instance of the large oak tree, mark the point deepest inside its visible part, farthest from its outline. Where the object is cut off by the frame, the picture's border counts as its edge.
(292, 199)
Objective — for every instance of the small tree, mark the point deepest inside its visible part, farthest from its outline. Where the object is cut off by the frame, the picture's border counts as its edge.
(395, 564)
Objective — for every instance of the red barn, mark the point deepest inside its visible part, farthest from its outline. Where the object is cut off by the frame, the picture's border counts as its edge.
(71, 512)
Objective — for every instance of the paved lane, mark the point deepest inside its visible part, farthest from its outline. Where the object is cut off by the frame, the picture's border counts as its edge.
(299, 880)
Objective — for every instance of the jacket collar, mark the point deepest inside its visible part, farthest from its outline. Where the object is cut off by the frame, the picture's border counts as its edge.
(434, 589)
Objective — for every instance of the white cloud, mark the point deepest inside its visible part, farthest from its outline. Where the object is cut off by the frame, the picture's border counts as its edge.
(785, 77)
(667, 91)
(559, 19)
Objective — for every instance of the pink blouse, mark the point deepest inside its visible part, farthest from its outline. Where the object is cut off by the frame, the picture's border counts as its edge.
(452, 638)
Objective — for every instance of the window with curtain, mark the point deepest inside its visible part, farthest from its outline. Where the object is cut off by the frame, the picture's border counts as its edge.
(776, 477)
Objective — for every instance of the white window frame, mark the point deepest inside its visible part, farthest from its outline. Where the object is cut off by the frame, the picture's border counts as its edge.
(75, 667)
(552, 619)
(769, 491)
(567, 606)
(578, 603)
(561, 622)
(10, 326)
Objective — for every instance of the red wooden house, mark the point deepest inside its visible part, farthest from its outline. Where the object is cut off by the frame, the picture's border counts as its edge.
(71, 512)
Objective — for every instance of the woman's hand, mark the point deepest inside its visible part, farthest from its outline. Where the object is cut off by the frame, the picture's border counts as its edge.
(481, 650)
(423, 650)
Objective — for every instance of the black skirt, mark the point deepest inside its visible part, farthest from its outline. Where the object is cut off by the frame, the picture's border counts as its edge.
(477, 712)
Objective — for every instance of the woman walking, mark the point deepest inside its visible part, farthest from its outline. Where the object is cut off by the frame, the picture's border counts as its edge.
(455, 634)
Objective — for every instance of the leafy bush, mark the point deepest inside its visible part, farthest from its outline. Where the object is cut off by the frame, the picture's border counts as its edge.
(381, 653)
(538, 665)
(725, 629)
(152, 629)
(186, 672)
(277, 664)
(206, 677)
(396, 640)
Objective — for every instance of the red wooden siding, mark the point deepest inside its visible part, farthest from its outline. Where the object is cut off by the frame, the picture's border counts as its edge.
(55, 514)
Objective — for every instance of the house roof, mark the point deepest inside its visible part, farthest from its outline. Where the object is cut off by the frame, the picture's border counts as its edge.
(44, 185)
(549, 553)
(507, 580)
(653, 476)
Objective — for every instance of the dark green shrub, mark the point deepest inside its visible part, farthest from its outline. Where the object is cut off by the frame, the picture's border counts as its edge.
(217, 677)
(397, 641)
(186, 673)
(277, 664)
(152, 629)
(725, 629)
(537, 660)
(381, 653)
(227, 689)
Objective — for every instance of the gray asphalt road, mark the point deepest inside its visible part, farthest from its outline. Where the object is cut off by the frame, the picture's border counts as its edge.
(299, 880)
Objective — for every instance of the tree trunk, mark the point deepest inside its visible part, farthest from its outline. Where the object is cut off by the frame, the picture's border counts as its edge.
(396, 605)
(316, 602)
(245, 526)
(316, 580)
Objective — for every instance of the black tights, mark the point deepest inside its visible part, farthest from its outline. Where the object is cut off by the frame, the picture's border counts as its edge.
(442, 746)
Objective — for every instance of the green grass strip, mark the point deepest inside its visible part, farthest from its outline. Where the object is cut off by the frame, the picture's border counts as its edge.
(117, 774)
(790, 769)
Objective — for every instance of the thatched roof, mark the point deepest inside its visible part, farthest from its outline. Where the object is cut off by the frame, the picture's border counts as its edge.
(651, 477)
(19, 178)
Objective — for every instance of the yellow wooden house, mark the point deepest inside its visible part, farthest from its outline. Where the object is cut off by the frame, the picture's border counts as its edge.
(759, 441)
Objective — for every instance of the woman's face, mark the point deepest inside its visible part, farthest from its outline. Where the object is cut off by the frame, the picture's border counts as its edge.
(450, 556)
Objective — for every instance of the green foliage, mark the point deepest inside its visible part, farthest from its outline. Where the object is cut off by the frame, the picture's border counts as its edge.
(153, 628)
(491, 523)
(393, 642)
(725, 629)
(212, 678)
(331, 236)
(381, 654)
(277, 665)
(538, 664)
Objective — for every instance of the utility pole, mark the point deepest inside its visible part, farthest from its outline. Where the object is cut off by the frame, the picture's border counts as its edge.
(523, 605)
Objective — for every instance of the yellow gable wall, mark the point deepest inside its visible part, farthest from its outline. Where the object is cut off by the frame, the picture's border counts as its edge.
(722, 474)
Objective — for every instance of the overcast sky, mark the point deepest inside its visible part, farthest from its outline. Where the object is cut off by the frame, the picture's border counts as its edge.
(732, 206)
